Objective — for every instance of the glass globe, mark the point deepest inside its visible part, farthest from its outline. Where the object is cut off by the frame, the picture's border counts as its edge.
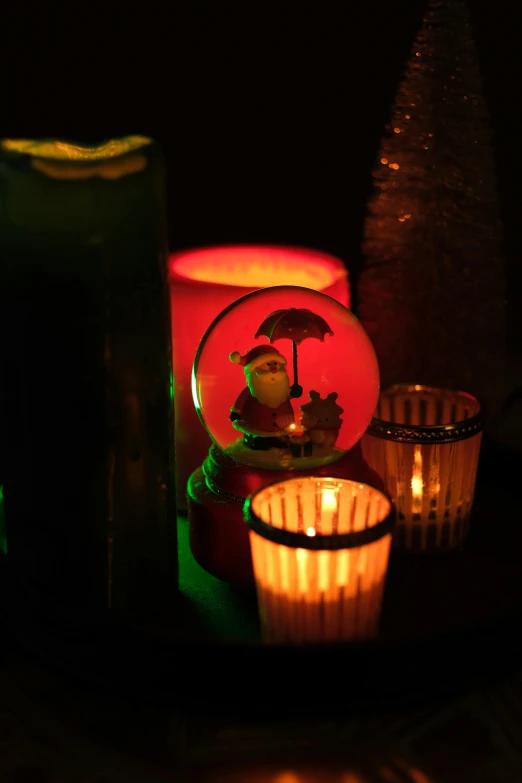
(285, 378)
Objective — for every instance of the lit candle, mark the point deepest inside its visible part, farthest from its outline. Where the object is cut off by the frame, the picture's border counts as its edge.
(424, 443)
(320, 550)
(203, 283)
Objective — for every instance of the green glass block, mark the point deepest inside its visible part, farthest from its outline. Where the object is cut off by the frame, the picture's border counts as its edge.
(86, 374)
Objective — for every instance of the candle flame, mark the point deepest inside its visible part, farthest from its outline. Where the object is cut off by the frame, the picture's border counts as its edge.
(291, 427)
(329, 499)
(310, 531)
(417, 485)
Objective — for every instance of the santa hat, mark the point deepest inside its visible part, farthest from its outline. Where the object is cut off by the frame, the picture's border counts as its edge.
(257, 356)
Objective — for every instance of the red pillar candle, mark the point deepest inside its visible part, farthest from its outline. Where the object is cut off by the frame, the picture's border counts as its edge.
(203, 282)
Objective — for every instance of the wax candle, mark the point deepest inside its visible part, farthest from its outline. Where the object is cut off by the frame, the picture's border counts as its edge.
(320, 549)
(88, 425)
(203, 283)
(424, 443)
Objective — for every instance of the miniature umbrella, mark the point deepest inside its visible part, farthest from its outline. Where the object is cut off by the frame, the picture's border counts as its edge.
(296, 324)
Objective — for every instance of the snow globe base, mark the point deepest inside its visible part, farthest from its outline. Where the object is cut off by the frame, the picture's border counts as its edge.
(216, 493)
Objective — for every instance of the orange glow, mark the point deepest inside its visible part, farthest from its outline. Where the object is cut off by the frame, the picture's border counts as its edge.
(310, 531)
(106, 169)
(384, 161)
(418, 776)
(59, 159)
(387, 775)
(394, 166)
(417, 485)
(308, 595)
(287, 777)
(61, 150)
(329, 499)
(260, 267)
(413, 773)
(396, 130)
(407, 116)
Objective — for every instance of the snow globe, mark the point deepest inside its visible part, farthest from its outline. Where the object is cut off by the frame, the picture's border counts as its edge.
(285, 381)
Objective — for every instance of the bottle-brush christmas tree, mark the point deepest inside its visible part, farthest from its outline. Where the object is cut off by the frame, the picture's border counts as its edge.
(432, 287)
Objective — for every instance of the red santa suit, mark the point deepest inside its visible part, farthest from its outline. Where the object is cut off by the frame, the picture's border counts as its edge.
(260, 419)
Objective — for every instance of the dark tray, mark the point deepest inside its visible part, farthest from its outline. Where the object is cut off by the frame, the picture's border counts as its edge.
(448, 621)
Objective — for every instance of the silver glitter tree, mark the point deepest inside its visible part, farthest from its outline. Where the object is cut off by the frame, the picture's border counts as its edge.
(432, 287)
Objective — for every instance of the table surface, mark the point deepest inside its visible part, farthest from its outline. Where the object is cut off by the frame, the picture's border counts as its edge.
(57, 730)
(223, 612)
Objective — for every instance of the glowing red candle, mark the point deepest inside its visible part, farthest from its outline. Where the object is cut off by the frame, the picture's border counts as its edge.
(205, 281)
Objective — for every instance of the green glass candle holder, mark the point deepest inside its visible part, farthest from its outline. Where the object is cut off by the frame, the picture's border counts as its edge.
(86, 374)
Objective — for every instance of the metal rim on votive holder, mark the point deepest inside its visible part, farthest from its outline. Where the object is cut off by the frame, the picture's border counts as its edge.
(317, 542)
(449, 432)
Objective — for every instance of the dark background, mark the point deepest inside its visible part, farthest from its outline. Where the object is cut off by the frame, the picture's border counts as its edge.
(270, 116)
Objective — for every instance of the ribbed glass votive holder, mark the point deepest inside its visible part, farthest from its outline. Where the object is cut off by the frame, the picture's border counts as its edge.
(424, 442)
(320, 549)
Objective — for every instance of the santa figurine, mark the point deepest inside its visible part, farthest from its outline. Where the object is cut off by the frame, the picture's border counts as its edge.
(263, 412)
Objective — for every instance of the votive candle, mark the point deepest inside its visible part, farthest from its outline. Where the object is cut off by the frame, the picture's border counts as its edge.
(320, 549)
(424, 442)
